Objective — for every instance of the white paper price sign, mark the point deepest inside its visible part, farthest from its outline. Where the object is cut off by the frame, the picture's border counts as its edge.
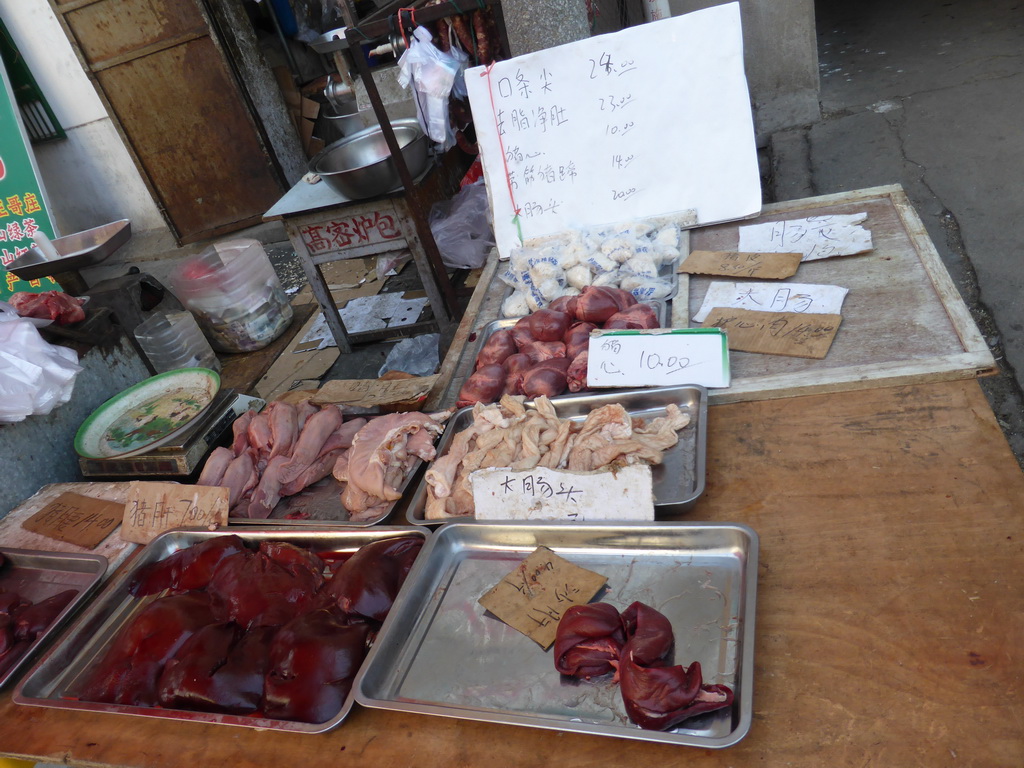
(551, 494)
(659, 358)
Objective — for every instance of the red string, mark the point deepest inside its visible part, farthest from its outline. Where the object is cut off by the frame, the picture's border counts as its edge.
(501, 145)
(401, 26)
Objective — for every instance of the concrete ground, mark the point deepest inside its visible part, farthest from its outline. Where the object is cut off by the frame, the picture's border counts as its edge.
(930, 95)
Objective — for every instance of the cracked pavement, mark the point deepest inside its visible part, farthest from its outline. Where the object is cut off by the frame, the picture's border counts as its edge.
(929, 96)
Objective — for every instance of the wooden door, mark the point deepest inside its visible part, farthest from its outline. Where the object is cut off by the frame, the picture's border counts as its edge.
(172, 93)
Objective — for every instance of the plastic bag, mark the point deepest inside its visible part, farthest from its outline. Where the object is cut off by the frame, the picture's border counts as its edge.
(432, 73)
(462, 228)
(35, 376)
(418, 356)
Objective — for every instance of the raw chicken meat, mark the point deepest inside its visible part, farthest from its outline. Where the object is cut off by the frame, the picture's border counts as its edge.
(382, 454)
(315, 432)
(240, 433)
(215, 466)
(284, 427)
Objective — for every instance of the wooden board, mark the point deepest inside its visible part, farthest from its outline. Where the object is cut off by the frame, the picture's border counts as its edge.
(112, 547)
(903, 320)
(888, 612)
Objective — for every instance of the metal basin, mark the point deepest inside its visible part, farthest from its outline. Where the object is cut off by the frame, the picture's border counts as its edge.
(360, 165)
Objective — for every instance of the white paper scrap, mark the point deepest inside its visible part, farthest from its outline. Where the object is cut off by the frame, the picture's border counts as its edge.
(368, 313)
(765, 297)
(551, 494)
(816, 237)
(658, 358)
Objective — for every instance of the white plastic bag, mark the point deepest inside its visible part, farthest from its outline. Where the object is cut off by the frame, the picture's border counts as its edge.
(35, 376)
(462, 227)
(432, 73)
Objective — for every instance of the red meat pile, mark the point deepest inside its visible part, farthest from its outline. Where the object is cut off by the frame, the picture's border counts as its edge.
(545, 353)
(252, 632)
(595, 639)
(49, 305)
(22, 621)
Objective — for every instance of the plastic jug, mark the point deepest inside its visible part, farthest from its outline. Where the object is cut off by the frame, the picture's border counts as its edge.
(173, 340)
(233, 291)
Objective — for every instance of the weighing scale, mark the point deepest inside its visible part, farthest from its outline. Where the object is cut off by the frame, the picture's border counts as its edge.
(182, 457)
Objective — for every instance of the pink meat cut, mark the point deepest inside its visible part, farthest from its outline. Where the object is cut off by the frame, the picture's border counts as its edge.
(315, 432)
(382, 453)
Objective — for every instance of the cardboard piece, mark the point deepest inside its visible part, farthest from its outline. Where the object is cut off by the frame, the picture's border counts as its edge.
(626, 493)
(658, 358)
(152, 508)
(534, 597)
(816, 237)
(768, 297)
(776, 333)
(369, 393)
(76, 519)
(766, 266)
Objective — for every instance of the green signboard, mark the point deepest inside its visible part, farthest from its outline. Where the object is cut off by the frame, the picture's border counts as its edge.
(23, 210)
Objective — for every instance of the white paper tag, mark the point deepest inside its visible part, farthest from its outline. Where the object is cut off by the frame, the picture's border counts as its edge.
(769, 297)
(552, 494)
(658, 358)
(816, 237)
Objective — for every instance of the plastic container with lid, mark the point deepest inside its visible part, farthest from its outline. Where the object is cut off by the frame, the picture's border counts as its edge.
(233, 291)
(172, 340)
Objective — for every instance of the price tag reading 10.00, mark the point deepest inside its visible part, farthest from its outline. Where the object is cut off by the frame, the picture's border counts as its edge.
(152, 508)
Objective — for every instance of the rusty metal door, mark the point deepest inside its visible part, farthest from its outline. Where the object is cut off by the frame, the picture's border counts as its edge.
(171, 92)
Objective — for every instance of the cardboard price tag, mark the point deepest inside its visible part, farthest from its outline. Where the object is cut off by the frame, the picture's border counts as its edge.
(367, 393)
(152, 508)
(626, 493)
(76, 519)
(794, 334)
(534, 597)
(767, 266)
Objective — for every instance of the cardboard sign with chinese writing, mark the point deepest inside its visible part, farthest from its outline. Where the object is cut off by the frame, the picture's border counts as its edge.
(367, 393)
(534, 597)
(777, 333)
(76, 519)
(152, 508)
(766, 266)
(626, 493)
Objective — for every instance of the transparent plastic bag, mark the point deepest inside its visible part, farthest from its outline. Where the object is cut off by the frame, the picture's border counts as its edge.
(35, 376)
(462, 228)
(418, 356)
(432, 73)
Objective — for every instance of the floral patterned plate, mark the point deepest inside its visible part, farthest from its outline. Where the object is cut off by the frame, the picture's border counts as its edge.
(147, 415)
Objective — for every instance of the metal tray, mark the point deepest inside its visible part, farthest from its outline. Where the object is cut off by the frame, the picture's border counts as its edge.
(678, 480)
(322, 502)
(54, 679)
(37, 575)
(701, 576)
(78, 250)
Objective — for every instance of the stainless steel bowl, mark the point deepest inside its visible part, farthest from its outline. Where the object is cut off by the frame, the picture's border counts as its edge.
(360, 165)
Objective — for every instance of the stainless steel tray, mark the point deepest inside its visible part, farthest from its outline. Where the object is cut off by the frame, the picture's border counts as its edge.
(78, 250)
(678, 480)
(322, 503)
(37, 575)
(55, 678)
(701, 576)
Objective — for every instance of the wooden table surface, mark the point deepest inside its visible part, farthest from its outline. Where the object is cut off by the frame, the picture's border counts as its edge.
(890, 616)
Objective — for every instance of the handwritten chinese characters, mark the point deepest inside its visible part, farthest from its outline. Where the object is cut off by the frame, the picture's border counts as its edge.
(536, 594)
(76, 519)
(658, 359)
(816, 237)
(776, 333)
(608, 129)
(764, 266)
(788, 297)
(549, 494)
(152, 508)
